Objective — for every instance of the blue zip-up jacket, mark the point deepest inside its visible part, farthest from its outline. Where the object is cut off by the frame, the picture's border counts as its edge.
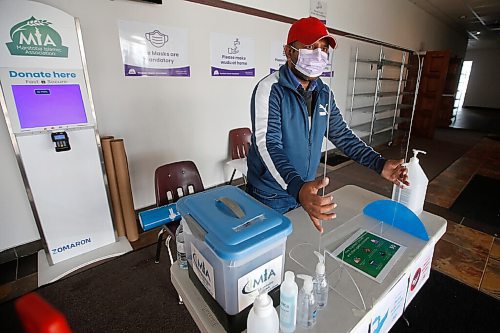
(285, 152)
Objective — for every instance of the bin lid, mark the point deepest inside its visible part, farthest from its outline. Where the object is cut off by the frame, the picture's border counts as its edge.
(232, 222)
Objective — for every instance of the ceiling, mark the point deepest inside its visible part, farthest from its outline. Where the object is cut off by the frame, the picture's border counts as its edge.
(479, 19)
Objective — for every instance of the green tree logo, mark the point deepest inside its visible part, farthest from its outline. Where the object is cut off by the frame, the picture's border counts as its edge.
(35, 37)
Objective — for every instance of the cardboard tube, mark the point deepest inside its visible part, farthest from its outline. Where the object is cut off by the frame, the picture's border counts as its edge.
(123, 180)
(113, 185)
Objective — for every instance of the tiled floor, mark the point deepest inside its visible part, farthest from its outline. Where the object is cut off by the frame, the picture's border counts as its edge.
(466, 254)
(444, 190)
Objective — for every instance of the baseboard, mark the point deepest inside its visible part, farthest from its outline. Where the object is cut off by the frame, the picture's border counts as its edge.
(20, 251)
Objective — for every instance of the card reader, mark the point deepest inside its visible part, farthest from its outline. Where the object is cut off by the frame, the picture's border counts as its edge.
(61, 141)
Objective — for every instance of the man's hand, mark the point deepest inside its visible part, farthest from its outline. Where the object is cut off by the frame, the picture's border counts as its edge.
(318, 208)
(395, 172)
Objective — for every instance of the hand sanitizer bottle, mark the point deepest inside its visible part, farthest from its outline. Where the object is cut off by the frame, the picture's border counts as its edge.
(288, 303)
(320, 283)
(306, 304)
(263, 316)
(413, 196)
(181, 252)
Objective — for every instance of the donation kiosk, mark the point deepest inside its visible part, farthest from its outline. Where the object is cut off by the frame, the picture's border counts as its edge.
(45, 98)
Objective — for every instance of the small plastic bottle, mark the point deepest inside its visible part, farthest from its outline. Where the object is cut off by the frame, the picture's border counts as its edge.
(413, 196)
(288, 303)
(307, 309)
(263, 316)
(320, 282)
(181, 252)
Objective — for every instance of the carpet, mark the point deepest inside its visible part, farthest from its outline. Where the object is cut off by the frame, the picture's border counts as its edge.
(480, 201)
(128, 294)
(334, 159)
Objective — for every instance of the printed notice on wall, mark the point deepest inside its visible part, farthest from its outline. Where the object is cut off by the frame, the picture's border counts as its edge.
(232, 55)
(329, 72)
(318, 9)
(278, 56)
(153, 50)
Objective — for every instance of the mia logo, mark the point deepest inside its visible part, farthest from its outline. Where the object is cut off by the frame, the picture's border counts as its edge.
(200, 265)
(203, 270)
(35, 37)
(257, 283)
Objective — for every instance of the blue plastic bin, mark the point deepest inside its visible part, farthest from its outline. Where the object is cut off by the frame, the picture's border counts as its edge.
(234, 244)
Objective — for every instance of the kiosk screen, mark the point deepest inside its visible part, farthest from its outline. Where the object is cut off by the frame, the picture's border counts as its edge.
(49, 105)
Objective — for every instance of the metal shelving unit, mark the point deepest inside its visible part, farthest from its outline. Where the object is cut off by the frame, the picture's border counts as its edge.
(375, 108)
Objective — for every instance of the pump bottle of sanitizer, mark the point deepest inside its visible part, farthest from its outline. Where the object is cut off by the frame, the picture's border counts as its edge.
(413, 196)
(263, 316)
(320, 282)
(307, 309)
(288, 303)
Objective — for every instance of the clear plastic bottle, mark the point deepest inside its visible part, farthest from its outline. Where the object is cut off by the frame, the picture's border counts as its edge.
(263, 317)
(288, 303)
(413, 196)
(307, 309)
(181, 252)
(320, 282)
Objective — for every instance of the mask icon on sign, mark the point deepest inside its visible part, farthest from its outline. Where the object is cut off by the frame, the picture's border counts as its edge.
(156, 38)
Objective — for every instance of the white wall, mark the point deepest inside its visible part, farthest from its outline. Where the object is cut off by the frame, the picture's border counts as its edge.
(166, 119)
(398, 22)
(482, 90)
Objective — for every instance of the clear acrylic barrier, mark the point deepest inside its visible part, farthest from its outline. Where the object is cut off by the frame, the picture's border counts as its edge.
(344, 280)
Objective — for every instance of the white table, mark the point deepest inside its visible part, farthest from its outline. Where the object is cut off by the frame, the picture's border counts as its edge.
(345, 311)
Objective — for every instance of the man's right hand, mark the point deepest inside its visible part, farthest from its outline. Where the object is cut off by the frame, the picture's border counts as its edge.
(318, 207)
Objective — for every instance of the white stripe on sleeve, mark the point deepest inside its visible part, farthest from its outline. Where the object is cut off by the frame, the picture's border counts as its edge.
(261, 118)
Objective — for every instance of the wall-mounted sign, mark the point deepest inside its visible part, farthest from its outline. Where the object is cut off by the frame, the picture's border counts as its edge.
(319, 9)
(154, 50)
(232, 55)
(329, 72)
(278, 57)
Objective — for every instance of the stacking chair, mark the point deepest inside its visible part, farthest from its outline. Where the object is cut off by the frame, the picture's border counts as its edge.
(239, 143)
(173, 181)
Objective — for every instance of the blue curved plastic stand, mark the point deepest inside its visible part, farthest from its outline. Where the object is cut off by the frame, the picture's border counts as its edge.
(397, 215)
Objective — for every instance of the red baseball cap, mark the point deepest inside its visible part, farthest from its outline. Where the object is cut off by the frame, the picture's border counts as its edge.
(308, 31)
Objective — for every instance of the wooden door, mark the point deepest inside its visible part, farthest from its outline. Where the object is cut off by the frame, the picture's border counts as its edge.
(432, 83)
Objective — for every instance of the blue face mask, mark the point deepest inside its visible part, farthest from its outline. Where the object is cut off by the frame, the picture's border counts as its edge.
(311, 63)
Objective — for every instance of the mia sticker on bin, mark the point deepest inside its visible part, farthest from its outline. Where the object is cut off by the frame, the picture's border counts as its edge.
(264, 278)
(203, 270)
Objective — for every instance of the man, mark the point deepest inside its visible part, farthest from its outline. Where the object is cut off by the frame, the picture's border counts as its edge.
(289, 112)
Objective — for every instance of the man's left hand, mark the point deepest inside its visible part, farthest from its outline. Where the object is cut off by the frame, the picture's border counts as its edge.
(395, 172)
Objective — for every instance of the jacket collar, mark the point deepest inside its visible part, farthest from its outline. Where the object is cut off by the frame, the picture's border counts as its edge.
(288, 79)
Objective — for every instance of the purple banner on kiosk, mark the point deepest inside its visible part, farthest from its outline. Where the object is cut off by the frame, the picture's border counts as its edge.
(228, 72)
(142, 71)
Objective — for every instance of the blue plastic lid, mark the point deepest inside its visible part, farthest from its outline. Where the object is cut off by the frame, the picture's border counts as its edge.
(235, 224)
